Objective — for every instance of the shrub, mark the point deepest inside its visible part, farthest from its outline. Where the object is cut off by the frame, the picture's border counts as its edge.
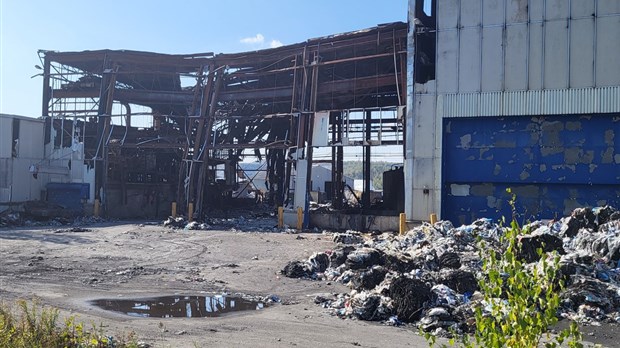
(30, 325)
(520, 301)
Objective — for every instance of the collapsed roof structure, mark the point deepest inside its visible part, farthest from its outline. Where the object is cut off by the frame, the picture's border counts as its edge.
(209, 111)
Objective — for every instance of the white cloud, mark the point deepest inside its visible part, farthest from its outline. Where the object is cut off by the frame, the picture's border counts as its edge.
(275, 43)
(258, 39)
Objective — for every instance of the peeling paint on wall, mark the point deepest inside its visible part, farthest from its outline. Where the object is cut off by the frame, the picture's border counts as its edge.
(552, 163)
(573, 126)
(459, 190)
(466, 141)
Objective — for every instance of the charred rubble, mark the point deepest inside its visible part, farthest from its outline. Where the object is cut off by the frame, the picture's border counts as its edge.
(429, 276)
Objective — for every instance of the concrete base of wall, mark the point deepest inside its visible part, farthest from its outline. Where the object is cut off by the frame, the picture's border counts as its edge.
(357, 222)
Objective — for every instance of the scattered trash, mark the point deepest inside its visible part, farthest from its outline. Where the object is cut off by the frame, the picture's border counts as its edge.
(350, 237)
(72, 229)
(247, 221)
(430, 274)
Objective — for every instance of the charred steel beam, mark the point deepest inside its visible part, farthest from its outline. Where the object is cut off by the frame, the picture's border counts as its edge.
(189, 62)
(340, 86)
(46, 87)
(367, 161)
(185, 98)
(279, 145)
(134, 96)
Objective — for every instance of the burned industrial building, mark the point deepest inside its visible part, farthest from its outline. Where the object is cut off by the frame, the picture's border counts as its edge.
(161, 128)
(475, 100)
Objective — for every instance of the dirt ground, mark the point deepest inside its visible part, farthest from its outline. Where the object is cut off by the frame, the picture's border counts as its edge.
(67, 269)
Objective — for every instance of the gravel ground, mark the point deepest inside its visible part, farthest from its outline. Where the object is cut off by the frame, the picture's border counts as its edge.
(66, 268)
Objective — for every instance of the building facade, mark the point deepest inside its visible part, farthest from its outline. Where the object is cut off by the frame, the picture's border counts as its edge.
(21, 147)
(512, 94)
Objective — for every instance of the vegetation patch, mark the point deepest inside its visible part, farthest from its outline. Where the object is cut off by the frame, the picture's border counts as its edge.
(27, 324)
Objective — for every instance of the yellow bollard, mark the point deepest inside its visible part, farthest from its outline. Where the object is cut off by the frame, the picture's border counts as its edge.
(190, 212)
(433, 218)
(96, 208)
(402, 223)
(174, 210)
(280, 217)
(300, 218)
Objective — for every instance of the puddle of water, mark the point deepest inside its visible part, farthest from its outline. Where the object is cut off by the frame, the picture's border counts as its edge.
(179, 306)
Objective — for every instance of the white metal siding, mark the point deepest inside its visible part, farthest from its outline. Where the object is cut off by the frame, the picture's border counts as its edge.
(447, 72)
(6, 136)
(516, 56)
(492, 59)
(555, 52)
(608, 51)
(545, 102)
(470, 14)
(581, 53)
(449, 10)
(535, 62)
(31, 139)
(469, 64)
(493, 12)
(499, 55)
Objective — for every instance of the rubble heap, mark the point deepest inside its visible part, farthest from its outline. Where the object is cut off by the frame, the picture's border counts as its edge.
(244, 222)
(430, 275)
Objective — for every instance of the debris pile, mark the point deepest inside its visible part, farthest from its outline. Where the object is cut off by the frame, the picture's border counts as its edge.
(250, 222)
(430, 275)
(18, 219)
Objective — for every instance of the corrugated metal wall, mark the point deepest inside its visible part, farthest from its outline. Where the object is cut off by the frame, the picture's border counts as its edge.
(540, 102)
(517, 45)
(552, 163)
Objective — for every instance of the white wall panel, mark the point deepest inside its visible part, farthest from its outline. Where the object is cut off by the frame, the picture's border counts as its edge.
(516, 11)
(470, 13)
(469, 60)
(424, 173)
(535, 62)
(608, 51)
(608, 7)
(25, 186)
(448, 14)
(492, 59)
(582, 8)
(516, 58)
(556, 9)
(423, 141)
(30, 139)
(581, 53)
(493, 12)
(6, 136)
(536, 9)
(447, 58)
(556, 55)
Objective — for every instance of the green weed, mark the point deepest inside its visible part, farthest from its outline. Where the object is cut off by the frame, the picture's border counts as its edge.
(29, 325)
(520, 301)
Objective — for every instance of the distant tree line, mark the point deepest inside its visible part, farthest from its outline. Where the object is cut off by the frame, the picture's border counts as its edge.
(355, 170)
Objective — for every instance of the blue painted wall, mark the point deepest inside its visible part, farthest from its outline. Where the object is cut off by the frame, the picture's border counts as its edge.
(553, 164)
(71, 196)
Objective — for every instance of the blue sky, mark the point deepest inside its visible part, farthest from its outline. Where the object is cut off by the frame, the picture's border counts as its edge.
(163, 26)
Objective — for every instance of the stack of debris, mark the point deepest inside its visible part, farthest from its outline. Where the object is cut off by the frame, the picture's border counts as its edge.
(256, 223)
(17, 219)
(430, 274)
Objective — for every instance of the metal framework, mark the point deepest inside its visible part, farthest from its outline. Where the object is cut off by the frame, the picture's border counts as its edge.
(210, 111)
